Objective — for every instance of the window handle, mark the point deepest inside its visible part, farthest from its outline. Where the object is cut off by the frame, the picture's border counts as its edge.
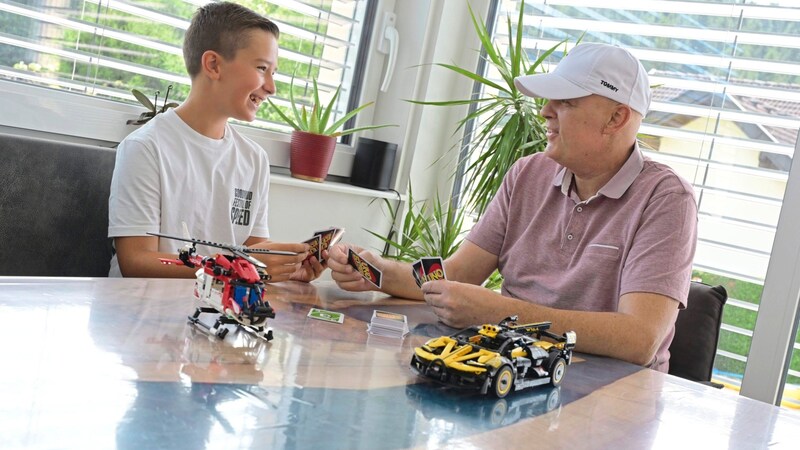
(387, 45)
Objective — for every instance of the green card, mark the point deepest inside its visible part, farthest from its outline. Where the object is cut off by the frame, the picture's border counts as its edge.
(328, 316)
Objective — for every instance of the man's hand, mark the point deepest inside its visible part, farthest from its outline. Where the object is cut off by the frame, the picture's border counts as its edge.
(343, 273)
(461, 305)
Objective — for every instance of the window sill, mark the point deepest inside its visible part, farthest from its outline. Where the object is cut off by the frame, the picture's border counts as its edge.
(330, 186)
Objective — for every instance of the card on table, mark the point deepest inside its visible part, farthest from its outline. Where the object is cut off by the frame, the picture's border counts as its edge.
(367, 270)
(389, 324)
(327, 316)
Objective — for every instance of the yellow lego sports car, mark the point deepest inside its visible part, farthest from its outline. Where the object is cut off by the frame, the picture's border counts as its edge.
(501, 358)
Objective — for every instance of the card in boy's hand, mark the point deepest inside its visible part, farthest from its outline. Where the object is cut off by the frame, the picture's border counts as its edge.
(433, 268)
(315, 251)
(327, 238)
(367, 270)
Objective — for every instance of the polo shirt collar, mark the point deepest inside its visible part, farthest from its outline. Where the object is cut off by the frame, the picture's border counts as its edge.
(617, 185)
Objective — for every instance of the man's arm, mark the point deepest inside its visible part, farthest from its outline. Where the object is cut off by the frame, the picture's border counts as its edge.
(633, 333)
(470, 264)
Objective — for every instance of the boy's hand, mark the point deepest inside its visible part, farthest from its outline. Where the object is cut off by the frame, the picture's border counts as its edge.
(283, 267)
(343, 273)
(309, 270)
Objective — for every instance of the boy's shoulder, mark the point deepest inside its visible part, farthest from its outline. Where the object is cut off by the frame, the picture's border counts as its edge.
(154, 130)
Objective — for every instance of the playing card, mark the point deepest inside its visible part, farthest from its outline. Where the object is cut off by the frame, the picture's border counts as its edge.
(328, 316)
(315, 250)
(418, 272)
(327, 238)
(367, 270)
(433, 267)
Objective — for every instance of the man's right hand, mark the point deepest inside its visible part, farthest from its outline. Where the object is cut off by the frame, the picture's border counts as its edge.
(345, 276)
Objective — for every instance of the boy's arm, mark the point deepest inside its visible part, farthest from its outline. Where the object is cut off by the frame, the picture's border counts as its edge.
(138, 256)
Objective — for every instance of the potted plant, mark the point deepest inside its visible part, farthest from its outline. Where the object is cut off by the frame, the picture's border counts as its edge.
(152, 110)
(507, 124)
(314, 136)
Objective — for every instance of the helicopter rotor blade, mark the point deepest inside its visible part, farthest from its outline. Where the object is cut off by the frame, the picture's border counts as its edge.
(229, 247)
(248, 258)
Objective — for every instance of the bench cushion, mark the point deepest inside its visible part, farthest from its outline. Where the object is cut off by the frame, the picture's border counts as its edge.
(54, 207)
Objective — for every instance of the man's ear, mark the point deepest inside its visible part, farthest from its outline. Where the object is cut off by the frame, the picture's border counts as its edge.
(210, 64)
(620, 116)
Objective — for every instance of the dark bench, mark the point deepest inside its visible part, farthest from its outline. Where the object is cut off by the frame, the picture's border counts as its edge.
(54, 207)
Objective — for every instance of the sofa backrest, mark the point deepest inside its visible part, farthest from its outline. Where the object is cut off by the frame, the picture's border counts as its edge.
(54, 207)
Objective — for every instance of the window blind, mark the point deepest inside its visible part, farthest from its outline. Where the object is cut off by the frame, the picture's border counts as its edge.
(105, 48)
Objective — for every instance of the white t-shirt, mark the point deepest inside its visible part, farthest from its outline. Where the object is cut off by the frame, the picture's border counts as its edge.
(166, 174)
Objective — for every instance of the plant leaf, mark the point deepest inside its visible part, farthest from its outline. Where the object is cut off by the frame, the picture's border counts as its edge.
(143, 100)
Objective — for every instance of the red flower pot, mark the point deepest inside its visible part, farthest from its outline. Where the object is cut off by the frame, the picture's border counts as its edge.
(311, 155)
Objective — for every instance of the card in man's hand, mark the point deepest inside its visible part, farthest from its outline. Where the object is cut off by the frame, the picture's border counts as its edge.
(367, 270)
(322, 240)
(428, 269)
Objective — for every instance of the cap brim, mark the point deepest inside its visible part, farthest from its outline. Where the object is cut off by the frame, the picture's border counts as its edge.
(550, 86)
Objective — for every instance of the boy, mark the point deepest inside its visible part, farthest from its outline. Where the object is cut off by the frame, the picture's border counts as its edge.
(189, 165)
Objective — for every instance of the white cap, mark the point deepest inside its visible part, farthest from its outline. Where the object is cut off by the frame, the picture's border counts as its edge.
(601, 69)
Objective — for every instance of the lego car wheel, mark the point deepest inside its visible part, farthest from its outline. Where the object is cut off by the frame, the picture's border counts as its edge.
(557, 371)
(503, 381)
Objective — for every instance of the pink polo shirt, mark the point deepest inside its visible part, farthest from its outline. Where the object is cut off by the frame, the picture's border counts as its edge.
(638, 234)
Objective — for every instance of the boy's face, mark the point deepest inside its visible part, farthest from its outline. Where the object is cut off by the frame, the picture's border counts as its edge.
(246, 80)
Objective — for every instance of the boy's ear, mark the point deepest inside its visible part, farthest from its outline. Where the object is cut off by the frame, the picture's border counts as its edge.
(210, 64)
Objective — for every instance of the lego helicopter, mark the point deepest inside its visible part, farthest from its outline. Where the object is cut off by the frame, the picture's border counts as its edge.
(230, 285)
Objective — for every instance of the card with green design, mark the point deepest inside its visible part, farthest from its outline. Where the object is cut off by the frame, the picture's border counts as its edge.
(328, 316)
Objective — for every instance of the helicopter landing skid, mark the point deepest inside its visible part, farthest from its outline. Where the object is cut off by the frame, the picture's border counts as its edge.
(219, 331)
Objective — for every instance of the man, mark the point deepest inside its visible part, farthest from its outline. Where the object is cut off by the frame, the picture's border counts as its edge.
(188, 165)
(590, 235)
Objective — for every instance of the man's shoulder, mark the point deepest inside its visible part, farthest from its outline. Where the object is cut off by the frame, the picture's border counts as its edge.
(664, 178)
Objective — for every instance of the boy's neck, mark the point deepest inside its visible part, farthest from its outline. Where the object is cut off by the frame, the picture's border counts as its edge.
(201, 118)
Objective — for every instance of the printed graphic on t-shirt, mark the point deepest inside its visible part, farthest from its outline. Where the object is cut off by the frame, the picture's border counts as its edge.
(240, 209)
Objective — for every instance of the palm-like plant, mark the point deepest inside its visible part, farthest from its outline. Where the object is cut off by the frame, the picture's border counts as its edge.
(316, 118)
(507, 125)
(424, 233)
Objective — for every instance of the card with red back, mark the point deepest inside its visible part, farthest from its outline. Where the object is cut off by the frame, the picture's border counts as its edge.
(433, 267)
(367, 270)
